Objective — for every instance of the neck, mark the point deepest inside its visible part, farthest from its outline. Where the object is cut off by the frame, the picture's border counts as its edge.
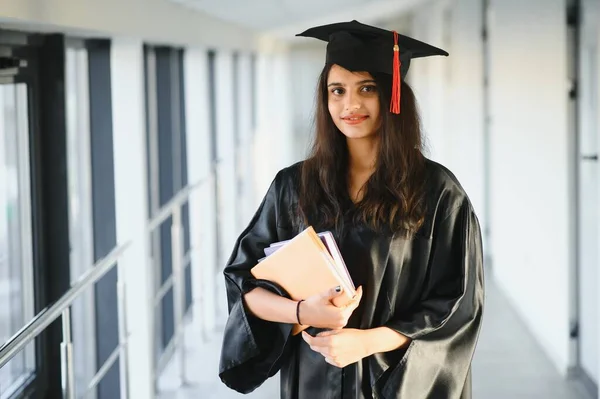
(362, 155)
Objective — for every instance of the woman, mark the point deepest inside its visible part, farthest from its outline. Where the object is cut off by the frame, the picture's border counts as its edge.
(405, 227)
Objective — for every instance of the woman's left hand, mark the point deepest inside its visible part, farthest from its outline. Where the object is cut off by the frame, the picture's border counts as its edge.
(339, 347)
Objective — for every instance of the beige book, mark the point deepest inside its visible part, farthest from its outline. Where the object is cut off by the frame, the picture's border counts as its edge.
(304, 267)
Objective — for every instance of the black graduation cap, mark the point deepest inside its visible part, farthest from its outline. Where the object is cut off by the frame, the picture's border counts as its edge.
(359, 47)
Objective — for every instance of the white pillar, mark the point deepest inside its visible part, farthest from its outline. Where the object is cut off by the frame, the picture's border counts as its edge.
(131, 194)
(262, 164)
(245, 159)
(226, 183)
(282, 94)
(274, 133)
(202, 228)
(464, 121)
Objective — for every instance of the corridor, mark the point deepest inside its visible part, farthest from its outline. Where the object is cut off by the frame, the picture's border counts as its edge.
(508, 364)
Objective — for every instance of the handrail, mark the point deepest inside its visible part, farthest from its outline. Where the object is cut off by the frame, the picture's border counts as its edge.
(48, 315)
(173, 209)
(167, 209)
(62, 307)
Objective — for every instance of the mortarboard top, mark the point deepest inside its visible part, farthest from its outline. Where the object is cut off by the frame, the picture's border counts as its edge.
(359, 47)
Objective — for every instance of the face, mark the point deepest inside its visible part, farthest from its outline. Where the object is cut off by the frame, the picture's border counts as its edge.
(353, 102)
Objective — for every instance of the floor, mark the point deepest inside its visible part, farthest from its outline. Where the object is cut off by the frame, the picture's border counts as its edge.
(507, 364)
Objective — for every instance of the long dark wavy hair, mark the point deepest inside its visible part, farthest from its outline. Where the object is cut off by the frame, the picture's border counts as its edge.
(393, 197)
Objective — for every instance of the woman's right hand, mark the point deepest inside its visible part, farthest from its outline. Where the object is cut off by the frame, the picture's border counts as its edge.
(319, 311)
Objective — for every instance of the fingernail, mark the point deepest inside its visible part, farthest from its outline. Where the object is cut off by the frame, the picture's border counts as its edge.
(338, 288)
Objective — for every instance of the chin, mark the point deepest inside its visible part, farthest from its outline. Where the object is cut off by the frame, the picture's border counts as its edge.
(357, 133)
(357, 136)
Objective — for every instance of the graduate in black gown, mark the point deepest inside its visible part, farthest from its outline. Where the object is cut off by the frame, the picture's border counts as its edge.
(404, 225)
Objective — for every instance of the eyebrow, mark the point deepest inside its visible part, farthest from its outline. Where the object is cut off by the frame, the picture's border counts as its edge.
(362, 82)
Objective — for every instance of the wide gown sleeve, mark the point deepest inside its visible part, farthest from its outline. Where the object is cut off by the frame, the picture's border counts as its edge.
(252, 348)
(445, 325)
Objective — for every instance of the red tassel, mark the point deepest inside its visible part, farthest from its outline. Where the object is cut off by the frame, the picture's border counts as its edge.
(395, 103)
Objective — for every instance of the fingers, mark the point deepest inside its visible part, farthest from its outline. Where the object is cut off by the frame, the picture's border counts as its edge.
(309, 339)
(358, 295)
(320, 341)
(333, 292)
(341, 318)
(331, 316)
(318, 344)
(328, 333)
(359, 291)
(322, 345)
(312, 341)
(355, 301)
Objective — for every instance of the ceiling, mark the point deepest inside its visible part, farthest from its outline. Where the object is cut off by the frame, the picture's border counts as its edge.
(287, 17)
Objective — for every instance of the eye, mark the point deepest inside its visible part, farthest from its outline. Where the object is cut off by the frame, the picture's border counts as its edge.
(337, 91)
(369, 89)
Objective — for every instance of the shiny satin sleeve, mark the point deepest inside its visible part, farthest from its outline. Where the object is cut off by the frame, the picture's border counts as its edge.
(444, 327)
(252, 348)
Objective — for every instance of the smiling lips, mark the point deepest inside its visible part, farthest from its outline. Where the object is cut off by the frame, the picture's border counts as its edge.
(355, 119)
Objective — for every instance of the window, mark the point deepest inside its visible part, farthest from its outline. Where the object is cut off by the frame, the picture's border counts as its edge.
(16, 259)
(167, 166)
(80, 213)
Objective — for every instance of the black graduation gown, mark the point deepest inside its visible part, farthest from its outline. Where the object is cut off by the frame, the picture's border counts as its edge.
(428, 287)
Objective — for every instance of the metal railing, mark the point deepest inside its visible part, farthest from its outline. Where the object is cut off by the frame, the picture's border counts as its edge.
(62, 307)
(179, 263)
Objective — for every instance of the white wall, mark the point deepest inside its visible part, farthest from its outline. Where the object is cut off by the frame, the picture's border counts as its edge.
(273, 141)
(530, 174)
(464, 152)
(129, 141)
(307, 62)
(529, 166)
(158, 21)
(427, 78)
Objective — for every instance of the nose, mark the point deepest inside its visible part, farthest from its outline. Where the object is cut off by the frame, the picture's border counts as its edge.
(352, 102)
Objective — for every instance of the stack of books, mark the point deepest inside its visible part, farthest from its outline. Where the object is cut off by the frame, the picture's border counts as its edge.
(306, 265)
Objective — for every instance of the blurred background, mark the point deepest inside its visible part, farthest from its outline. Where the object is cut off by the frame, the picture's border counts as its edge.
(137, 138)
